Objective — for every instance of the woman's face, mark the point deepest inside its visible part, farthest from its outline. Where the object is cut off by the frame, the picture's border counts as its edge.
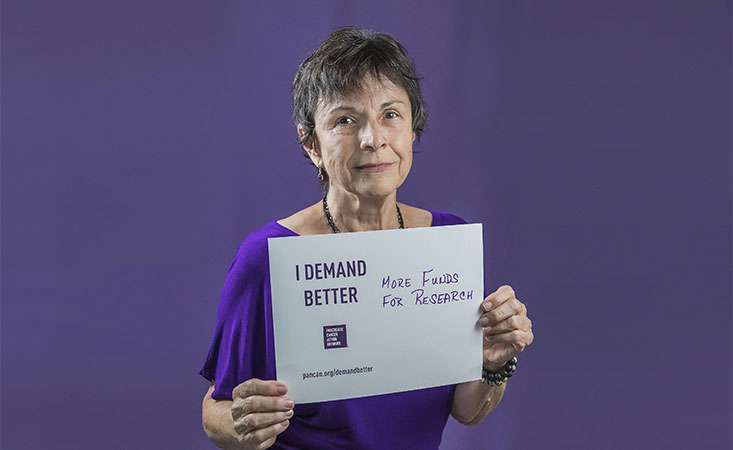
(370, 126)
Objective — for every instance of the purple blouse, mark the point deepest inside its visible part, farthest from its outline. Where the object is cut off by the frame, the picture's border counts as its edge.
(242, 347)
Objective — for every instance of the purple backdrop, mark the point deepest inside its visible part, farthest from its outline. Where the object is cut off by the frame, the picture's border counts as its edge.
(143, 140)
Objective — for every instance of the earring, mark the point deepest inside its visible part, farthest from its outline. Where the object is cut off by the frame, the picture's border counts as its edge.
(321, 176)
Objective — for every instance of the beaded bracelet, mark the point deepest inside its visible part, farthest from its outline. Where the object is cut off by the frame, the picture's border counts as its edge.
(499, 377)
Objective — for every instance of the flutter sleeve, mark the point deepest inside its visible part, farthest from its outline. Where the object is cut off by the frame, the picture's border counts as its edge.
(238, 349)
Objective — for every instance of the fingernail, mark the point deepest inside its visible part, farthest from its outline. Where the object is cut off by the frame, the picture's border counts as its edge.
(484, 321)
(281, 388)
(289, 413)
(289, 404)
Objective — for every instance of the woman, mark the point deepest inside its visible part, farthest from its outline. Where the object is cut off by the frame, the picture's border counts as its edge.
(358, 109)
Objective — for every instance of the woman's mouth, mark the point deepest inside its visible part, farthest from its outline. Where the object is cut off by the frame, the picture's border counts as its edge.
(375, 167)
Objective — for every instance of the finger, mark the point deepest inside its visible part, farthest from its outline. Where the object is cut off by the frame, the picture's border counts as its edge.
(260, 436)
(524, 308)
(517, 337)
(255, 421)
(260, 404)
(267, 444)
(511, 323)
(497, 297)
(255, 386)
(507, 309)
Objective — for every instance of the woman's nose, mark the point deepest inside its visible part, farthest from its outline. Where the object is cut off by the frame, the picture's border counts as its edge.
(372, 136)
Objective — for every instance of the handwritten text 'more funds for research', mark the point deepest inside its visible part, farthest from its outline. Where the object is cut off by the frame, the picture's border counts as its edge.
(418, 294)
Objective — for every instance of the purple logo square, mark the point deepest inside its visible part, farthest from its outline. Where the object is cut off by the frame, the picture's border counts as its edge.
(334, 336)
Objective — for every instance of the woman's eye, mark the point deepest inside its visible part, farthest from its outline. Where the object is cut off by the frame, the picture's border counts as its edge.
(391, 114)
(345, 121)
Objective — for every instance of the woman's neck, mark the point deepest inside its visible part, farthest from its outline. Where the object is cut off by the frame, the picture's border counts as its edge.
(353, 213)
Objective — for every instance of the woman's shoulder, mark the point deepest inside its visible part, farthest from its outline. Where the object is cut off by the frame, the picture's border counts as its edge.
(416, 217)
(252, 252)
(304, 222)
(441, 217)
(426, 217)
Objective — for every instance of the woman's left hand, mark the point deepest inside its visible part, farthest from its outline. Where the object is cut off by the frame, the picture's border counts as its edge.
(507, 329)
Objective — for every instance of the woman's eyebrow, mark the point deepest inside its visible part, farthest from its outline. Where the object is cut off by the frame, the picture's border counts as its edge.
(390, 103)
(351, 108)
(341, 108)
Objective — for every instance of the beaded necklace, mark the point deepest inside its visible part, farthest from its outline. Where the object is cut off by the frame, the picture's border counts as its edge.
(335, 229)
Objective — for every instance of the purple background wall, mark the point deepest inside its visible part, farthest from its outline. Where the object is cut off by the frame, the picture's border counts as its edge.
(143, 140)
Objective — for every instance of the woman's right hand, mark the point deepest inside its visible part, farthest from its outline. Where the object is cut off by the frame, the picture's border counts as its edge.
(261, 411)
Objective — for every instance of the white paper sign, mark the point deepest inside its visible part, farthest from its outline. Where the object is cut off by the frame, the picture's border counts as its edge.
(376, 312)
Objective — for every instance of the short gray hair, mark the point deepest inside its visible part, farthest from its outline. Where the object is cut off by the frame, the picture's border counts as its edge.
(338, 66)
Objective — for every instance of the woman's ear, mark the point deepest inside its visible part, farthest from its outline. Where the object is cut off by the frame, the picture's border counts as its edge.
(310, 146)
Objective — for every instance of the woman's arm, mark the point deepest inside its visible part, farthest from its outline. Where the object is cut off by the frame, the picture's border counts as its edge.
(506, 331)
(474, 400)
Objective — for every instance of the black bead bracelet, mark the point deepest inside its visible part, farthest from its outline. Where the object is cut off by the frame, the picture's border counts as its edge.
(499, 377)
